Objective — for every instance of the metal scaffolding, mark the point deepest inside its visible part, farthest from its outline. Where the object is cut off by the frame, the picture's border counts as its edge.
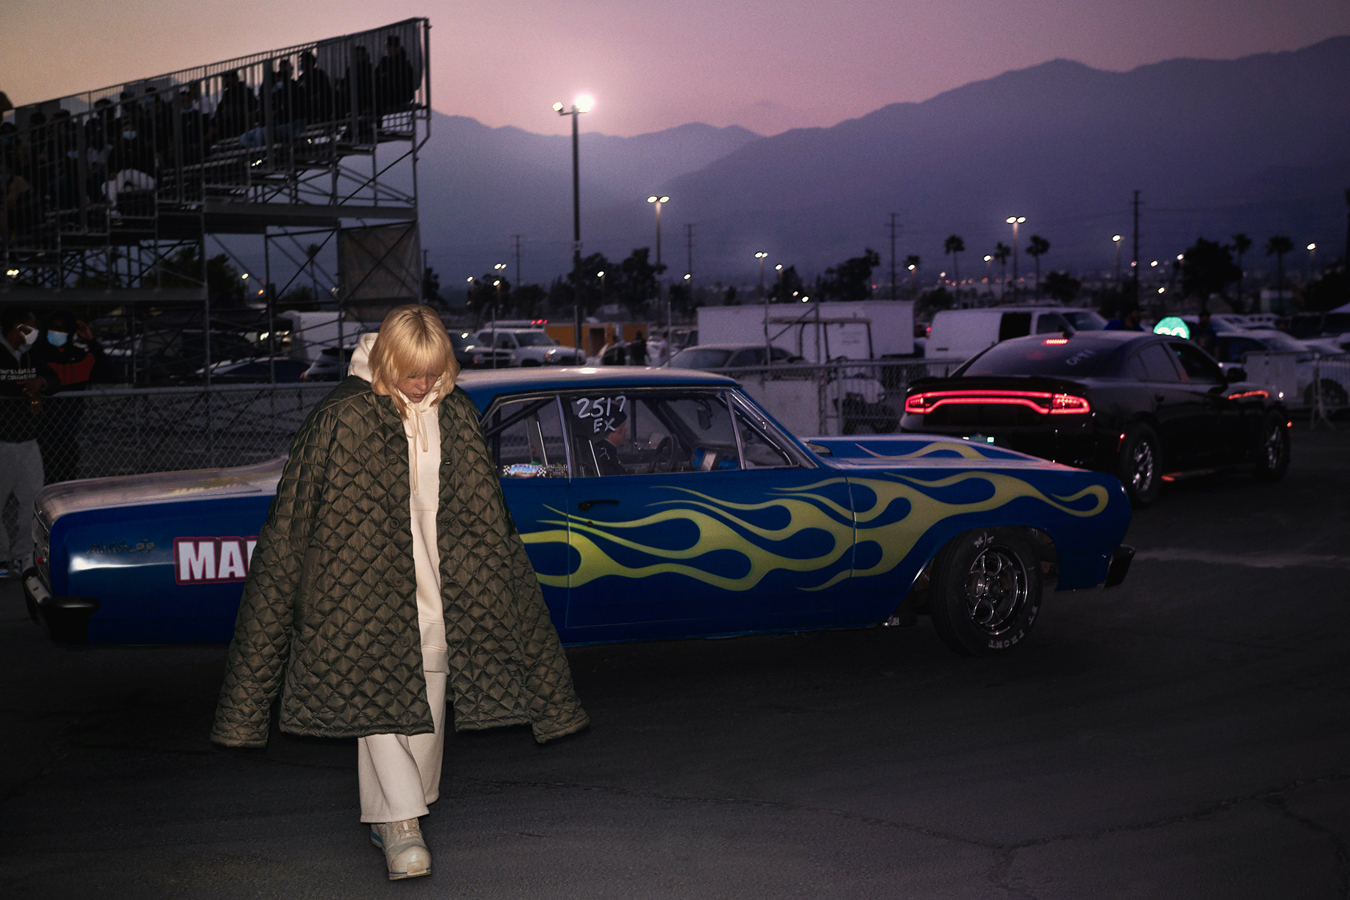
(112, 196)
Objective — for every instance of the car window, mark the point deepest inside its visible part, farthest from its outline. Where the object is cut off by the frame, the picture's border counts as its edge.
(1196, 364)
(1153, 363)
(1084, 319)
(535, 339)
(1014, 324)
(526, 438)
(762, 445)
(1078, 357)
(700, 358)
(642, 432)
(1051, 322)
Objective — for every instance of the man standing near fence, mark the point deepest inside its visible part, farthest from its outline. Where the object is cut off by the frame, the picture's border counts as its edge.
(20, 410)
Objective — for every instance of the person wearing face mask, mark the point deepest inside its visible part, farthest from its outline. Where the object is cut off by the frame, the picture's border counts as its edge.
(389, 578)
(132, 161)
(21, 408)
(69, 356)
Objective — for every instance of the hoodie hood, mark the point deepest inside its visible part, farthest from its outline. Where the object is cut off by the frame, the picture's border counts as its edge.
(360, 362)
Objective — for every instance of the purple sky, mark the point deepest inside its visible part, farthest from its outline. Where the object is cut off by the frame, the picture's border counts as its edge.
(766, 66)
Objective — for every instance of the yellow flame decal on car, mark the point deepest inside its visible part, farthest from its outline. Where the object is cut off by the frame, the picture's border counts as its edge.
(904, 510)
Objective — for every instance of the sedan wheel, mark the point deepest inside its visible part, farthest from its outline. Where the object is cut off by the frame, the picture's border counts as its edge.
(1140, 466)
(1272, 454)
(986, 591)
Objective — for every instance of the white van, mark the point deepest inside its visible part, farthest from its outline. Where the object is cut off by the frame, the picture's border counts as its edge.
(961, 333)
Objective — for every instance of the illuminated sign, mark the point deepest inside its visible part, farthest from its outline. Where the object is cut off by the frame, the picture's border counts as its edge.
(1174, 326)
(212, 560)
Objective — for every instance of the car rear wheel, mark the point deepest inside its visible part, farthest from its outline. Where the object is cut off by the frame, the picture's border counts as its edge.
(1140, 468)
(1272, 454)
(985, 591)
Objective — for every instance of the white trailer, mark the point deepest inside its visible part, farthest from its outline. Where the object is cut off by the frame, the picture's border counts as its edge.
(817, 332)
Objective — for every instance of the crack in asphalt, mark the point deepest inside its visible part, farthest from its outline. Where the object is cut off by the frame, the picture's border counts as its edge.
(1007, 852)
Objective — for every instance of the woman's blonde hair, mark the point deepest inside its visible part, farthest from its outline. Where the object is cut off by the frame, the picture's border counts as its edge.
(412, 342)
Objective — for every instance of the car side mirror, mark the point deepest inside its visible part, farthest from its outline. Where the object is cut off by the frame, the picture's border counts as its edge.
(1235, 374)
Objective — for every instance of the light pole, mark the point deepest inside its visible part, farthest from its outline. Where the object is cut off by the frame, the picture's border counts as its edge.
(1312, 252)
(583, 103)
(1014, 221)
(1116, 238)
(601, 276)
(768, 353)
(658, 200)
(987, 275)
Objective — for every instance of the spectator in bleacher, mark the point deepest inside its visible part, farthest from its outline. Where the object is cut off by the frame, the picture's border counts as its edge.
(132, 161)
(284, 105)
(98, 145)
(237, 108)
(67, 356)
(16, 193)
(395, 85)
(40, 164)
(190, 125)
(314, 92)
(357, 92)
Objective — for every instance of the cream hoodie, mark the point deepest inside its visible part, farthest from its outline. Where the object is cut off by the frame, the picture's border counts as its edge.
(422, 427)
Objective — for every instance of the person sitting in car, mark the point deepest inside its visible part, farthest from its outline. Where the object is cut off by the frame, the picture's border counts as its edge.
(607, 447)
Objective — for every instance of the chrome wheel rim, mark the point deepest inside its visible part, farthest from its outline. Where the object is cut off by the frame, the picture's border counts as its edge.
(1274, 447)
(1141, 477)
(996, 590)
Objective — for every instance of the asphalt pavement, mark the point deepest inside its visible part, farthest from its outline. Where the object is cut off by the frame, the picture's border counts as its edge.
(1186, 735)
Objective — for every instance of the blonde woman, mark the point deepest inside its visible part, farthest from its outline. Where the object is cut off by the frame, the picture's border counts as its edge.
(387, 551)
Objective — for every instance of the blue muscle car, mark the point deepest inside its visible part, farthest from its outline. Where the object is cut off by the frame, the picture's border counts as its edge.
(655, 504)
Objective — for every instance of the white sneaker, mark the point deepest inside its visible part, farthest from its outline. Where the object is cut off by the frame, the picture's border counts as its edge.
(405, 853)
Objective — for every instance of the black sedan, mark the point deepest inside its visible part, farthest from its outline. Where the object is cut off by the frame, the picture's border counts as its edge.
(1147, 408)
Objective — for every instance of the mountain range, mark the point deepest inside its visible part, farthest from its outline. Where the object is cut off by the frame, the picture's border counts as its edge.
(1259, 145)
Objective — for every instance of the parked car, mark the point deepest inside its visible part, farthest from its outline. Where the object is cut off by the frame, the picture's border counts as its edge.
(530, 347)
(473, 354)
(1148, 408)
(328, 367)
(961, 333)
(1232, 348)
(860, 399)
(716, 522)
(279, 369)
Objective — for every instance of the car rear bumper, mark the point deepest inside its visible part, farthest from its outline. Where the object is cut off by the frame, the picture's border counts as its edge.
(64, 619)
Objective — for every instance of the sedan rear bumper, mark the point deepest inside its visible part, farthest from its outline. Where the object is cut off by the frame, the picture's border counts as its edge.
(64, 619)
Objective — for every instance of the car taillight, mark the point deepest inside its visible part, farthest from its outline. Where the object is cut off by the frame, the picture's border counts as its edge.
(1043, 402)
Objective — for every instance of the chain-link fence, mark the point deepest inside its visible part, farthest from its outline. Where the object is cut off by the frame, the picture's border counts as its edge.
(1307, 383)
(848, 397)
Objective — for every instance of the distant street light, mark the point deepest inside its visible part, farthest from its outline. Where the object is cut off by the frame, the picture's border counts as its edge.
(583, 103)
(1014, 221)
(987, 274)
(1312, 252)
(768, 348)
(1116, 238)
(660, 282)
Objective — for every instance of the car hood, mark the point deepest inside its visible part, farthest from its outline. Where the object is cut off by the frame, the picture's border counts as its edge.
(65, 497)
(927, 450)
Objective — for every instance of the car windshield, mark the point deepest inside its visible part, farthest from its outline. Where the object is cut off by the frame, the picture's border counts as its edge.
(1083, 319)
(1072, 357)
(534, 339)
(700, 358)
(460, 340)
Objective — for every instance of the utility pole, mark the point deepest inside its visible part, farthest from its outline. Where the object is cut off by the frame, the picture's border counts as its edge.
(517, 239)
(1136, 248)
(689, 264)
(893, 227)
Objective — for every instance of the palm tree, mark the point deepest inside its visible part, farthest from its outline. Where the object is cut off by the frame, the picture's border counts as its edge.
(1001, 253)
(1035, 247)
(955, 245)
(912, 263)
(1241, 244)
(1277, 247)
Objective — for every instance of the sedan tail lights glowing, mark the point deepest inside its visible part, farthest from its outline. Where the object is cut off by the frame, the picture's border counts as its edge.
(1044, 402)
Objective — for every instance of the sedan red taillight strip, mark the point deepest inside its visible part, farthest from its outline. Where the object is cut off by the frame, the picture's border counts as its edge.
(1043, 402)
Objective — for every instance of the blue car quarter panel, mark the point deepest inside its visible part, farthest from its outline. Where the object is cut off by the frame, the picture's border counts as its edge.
(914, 493)
(162, 573)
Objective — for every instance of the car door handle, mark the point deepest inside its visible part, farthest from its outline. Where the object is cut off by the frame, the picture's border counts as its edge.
(585, 505)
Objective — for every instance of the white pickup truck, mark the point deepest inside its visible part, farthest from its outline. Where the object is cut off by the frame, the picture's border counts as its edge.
(530, 347)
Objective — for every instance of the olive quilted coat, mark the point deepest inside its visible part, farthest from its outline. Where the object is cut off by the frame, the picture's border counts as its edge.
(329, 612)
